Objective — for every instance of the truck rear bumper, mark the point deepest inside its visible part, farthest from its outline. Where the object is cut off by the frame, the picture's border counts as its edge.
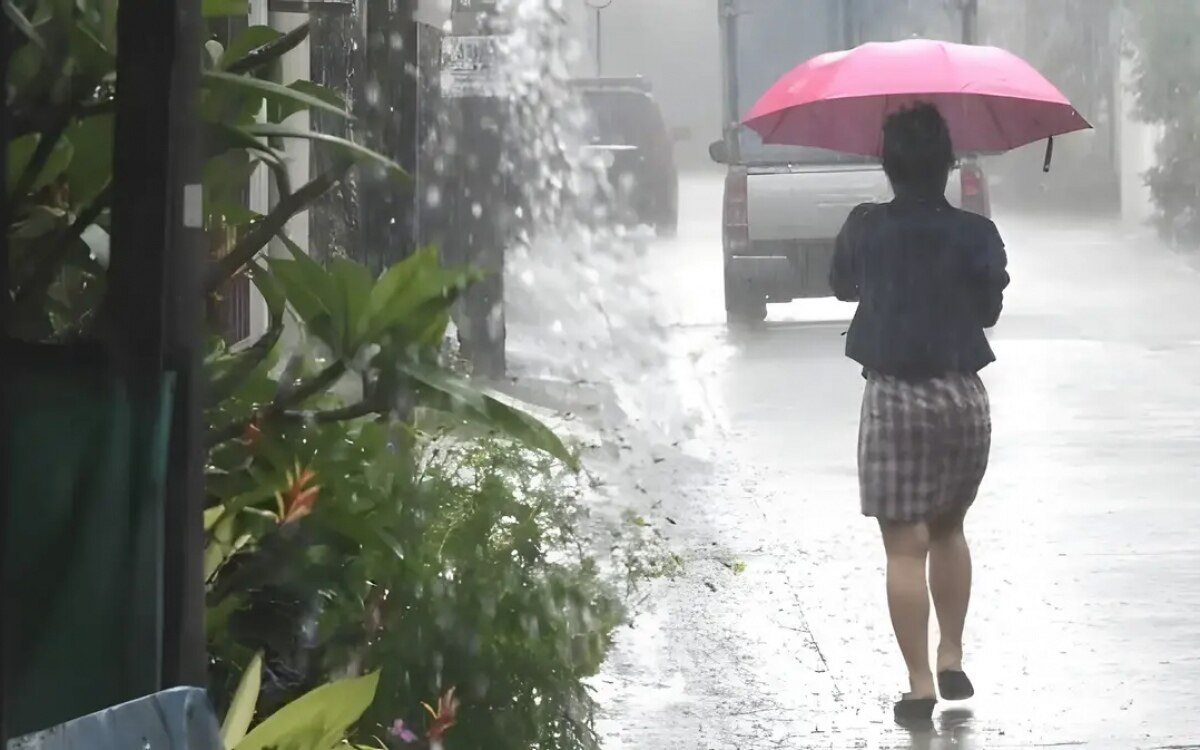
(771, 276)
(785, 271)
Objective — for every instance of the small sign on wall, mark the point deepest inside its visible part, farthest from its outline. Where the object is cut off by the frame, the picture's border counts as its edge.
(475, 6)
(471, 66)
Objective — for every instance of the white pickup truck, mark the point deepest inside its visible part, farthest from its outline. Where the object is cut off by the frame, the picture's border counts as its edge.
(784, 205)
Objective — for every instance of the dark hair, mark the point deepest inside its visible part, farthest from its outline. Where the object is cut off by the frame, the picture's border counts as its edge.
(917, 152)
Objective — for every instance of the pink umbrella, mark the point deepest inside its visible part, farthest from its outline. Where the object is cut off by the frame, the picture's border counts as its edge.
(992, 100)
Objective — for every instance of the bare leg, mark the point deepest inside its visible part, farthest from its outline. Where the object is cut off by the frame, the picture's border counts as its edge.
(950, 584)
(907, 547)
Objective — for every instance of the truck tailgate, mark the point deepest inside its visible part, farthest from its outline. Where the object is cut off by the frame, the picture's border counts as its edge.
(809, 203)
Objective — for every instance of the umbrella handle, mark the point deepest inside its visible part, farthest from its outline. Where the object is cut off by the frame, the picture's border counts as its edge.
(1049, 154)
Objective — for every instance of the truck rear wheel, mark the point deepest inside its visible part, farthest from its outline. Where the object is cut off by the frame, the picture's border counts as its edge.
(744, 305)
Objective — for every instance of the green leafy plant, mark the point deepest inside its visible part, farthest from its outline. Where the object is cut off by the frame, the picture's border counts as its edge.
(370, 511)
(60, 155)
(319, 720)
(1166, 73)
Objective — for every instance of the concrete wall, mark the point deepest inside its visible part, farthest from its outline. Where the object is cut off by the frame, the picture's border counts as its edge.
(433, 12)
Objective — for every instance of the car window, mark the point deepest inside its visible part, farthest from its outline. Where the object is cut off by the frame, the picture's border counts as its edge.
(618, 118)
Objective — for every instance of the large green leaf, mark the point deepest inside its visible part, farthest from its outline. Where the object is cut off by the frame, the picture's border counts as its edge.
(23, 68)
(224, 8)
(222, 544)
(441, 390)
(354, 284)
(241, 85)
(222, 137)
(358, 528)
(241, 708)
(284, 108)
(358, 153)
(414, 295)
(254, 37)
(105, 21)
(393, 285)
(223, 179)
(312, 293)
(21, 152)
(91, 167)
(318, 720)
(272, 293)
(93, 59)
(60, 158)
(228, 373)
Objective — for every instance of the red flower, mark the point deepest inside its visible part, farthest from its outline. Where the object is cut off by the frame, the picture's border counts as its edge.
(443, 717)
(252, 432)
(297, 499)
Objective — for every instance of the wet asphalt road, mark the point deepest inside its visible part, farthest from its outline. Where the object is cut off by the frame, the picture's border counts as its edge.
(1085, 622)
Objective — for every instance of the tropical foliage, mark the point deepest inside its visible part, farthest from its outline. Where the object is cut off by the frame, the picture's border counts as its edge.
(370, 511)
(1167, 87)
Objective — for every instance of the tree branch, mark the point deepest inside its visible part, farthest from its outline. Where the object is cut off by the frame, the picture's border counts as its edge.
(364, 408)
(287, 399)
(271, 51)
(48, 263)
(272, 224)
(223, 387)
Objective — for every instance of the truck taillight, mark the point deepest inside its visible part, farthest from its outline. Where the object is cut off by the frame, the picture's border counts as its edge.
(971, 184)
(736, 212)
(974, 190)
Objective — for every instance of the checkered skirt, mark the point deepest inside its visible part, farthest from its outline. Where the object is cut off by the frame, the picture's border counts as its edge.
(923, 446)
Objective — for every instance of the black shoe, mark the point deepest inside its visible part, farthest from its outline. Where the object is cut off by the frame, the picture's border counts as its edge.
(954, 685)
(914, 713)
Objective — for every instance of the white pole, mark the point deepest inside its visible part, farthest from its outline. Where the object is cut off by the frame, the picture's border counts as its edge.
(260, 193)
(296, 67)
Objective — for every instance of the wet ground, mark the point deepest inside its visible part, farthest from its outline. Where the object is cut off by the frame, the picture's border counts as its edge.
(1085, 627)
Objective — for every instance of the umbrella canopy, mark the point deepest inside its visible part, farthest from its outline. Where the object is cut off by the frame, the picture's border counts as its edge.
(992, 100)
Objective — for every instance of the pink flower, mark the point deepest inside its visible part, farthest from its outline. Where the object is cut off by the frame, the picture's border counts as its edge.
(402, 732)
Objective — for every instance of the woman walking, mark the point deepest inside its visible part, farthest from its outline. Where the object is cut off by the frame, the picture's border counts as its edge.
(929, 279)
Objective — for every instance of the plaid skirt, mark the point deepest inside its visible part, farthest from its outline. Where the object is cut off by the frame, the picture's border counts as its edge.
(923, 446)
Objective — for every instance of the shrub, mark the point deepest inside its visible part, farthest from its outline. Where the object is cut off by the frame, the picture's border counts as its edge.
(1167, 86)
(368, 509)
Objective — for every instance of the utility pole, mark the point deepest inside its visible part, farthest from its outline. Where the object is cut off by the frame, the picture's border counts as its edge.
(477, 198)
(387, 99)
(598, 6)
(970, 21)
(154, 276)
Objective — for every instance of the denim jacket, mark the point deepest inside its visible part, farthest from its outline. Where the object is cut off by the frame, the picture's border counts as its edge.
(928, 279)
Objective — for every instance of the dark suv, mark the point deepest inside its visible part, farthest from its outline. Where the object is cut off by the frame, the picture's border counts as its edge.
(625, 127)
